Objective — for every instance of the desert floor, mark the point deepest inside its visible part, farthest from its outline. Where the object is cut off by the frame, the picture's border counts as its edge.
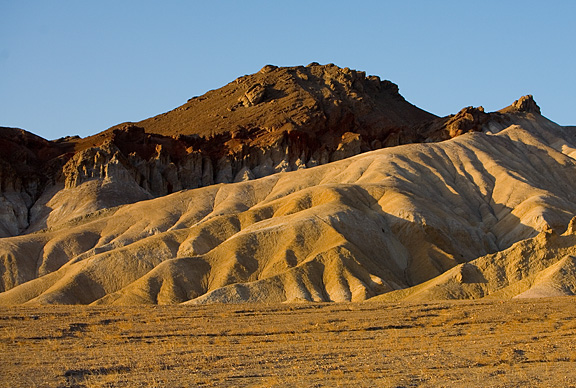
(520, 343)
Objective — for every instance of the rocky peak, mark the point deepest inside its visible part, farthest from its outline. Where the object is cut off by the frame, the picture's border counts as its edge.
(314, 99)
(524, 104)
(468, 119)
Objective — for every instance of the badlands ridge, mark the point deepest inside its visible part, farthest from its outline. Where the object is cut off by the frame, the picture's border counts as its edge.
(294, 184)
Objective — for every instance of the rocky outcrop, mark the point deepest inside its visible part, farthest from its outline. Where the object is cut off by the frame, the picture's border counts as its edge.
(28, 164)
(253, 96)
(525, 104)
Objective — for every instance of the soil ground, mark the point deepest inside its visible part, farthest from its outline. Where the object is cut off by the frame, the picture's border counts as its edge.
(518, 343)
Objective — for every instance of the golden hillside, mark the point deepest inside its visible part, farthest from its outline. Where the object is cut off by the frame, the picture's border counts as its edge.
(398, 222)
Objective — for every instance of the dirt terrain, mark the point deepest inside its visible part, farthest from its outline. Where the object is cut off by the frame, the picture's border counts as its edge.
(514, 343)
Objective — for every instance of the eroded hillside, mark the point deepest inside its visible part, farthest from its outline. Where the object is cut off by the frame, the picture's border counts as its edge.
(374, 224)
(279, 119)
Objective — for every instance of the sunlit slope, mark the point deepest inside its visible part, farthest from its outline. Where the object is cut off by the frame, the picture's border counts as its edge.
(349, 230)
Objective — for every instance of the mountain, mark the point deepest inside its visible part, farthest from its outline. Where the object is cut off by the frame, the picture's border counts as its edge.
(311, 183)
(279, 119)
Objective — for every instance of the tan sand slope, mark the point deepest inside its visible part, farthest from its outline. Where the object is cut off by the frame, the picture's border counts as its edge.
(349, 230)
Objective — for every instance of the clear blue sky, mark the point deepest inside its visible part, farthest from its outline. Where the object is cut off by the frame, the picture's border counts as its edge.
(79, 67)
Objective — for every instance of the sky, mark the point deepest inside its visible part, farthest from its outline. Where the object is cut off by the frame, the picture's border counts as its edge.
(79, 67)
